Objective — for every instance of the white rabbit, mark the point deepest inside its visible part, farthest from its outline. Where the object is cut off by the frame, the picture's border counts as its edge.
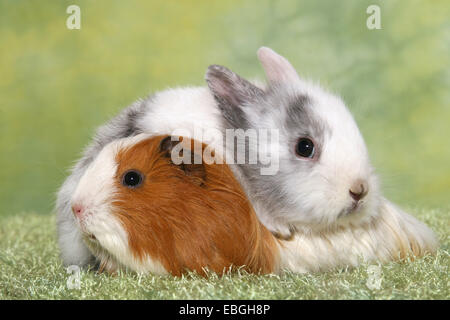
(325, 196)
(325, 189)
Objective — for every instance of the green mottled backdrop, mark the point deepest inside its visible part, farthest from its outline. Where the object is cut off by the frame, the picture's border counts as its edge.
(57, 85)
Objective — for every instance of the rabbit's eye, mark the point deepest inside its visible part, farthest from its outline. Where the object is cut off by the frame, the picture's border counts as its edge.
(305, 148)
(132, 179)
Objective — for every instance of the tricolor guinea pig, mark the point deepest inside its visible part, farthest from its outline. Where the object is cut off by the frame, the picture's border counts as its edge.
(136, 208)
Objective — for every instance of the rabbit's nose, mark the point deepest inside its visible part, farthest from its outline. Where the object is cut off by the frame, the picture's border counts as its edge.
(359, 189)
(77, 210)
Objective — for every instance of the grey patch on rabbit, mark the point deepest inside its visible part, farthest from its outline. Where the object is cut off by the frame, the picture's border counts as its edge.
(301, 121)
(298, 115)
(122, 126)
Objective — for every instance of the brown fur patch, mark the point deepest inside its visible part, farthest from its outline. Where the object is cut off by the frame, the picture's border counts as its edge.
(190, 218)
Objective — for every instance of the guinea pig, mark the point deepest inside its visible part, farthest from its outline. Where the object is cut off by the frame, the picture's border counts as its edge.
(150, 204)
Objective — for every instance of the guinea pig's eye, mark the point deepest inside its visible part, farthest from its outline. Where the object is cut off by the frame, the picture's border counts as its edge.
(132, 179)
(305, 148)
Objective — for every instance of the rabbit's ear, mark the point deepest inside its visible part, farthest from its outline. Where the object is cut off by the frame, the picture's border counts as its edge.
(277, 68)
(229, 88)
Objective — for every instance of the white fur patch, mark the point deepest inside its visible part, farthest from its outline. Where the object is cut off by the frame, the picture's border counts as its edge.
(185, 108)
(392, 234)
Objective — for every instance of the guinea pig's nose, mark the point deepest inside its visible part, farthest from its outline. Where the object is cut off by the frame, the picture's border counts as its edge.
(77, 209)
(359, 189)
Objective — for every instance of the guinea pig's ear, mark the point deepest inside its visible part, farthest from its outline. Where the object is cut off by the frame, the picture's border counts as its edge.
(194, 170)
(277, 68)
(230, 91)
(167, 144)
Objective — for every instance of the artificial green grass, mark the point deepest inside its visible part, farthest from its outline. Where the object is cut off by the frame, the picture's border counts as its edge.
(30, 269)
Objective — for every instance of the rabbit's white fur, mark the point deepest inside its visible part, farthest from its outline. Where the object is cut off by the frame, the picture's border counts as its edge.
(313, 202)
(392, 235)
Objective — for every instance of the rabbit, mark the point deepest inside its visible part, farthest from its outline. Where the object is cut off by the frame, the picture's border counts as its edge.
(142, 205)
(324, 200)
